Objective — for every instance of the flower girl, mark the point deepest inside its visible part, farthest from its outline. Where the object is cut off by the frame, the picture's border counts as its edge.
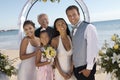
(44, 58)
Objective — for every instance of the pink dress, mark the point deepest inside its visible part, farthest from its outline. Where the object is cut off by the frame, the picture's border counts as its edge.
(44, 72)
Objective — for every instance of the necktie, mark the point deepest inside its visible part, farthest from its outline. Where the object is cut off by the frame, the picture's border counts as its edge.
(74, 30)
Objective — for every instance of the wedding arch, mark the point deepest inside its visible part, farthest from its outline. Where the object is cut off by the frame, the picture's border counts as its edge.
(30, 3)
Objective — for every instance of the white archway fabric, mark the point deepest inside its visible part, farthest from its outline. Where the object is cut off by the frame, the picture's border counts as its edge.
(25, 10)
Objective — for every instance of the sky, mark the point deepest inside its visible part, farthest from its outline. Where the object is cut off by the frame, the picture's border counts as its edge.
(99, 10)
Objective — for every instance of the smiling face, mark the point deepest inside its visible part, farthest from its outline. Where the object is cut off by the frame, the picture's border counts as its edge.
(73, 16)
(29, 30)
(44, 37)
(61, 25)
(43, 20)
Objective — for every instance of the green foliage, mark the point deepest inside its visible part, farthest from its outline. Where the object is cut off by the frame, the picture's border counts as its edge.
(110, 56)
(6, 65)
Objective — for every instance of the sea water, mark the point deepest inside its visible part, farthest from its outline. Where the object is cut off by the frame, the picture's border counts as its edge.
(105, 29)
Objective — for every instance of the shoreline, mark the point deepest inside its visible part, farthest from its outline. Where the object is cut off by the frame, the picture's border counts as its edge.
(15, 54)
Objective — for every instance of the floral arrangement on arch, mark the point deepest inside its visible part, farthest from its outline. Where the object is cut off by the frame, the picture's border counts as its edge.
(6, 66)
(109, 59)
(49, 52)
(49, 0)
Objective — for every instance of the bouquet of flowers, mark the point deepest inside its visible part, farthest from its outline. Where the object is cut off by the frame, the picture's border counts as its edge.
(6, 65)
(49, 52)
(110, 57)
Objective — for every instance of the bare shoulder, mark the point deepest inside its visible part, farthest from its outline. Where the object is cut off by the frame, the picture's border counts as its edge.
(25, 39)
(24, 42)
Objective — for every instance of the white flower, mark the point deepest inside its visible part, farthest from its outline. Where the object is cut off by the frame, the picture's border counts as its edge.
(10, 62)
(115, 58)
(107, 58)
(118, 62)
(7, 67)
(119, 65)
(103, 70)
(99, 61)
(114, 70)
(48, 56)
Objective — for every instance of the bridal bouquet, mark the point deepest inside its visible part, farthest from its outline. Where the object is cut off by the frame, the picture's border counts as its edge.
(49, 52)
(110, 57)
(6, 65)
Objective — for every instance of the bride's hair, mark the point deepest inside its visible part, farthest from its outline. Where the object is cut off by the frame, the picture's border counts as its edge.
(28, 22)
(56, 32)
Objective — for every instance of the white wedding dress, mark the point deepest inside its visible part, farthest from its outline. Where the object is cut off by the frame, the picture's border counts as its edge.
(27, 68)
(64, 59)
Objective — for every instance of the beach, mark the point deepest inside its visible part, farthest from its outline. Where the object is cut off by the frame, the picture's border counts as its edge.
(12, 54)
(9, 42)
(15, 54)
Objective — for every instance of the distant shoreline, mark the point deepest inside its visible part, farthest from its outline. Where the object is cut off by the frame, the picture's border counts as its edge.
(5, 30)
(8, 30)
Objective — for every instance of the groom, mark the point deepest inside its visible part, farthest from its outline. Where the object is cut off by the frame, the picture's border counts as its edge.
(85, 45)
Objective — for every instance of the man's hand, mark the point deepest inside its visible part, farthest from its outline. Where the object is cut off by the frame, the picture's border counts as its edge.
(85, 72)
(66, 76)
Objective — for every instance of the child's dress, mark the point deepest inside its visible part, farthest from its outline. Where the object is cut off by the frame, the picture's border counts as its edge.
(44, 72)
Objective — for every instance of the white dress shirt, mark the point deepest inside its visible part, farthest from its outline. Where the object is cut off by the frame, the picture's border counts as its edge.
(92, 44)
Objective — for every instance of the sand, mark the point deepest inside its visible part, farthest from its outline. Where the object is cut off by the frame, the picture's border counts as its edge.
(15, 54)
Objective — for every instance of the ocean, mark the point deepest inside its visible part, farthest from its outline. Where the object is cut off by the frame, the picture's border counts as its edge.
(105, 29)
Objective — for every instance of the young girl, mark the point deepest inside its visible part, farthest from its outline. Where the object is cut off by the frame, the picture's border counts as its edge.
(44, 68)
(27, 69)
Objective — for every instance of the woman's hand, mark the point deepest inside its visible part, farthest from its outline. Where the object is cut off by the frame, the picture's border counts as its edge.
(85, 72)
(70, 74)
(66, 76)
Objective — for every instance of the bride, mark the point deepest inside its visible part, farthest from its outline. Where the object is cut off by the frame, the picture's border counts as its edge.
(27, 69)
(62, 43)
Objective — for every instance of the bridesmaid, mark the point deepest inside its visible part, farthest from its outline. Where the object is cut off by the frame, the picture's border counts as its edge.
(27, 68)
(44, 67)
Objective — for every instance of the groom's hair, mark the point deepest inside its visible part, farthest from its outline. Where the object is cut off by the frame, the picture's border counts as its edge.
(40, 15)
(73, 7)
